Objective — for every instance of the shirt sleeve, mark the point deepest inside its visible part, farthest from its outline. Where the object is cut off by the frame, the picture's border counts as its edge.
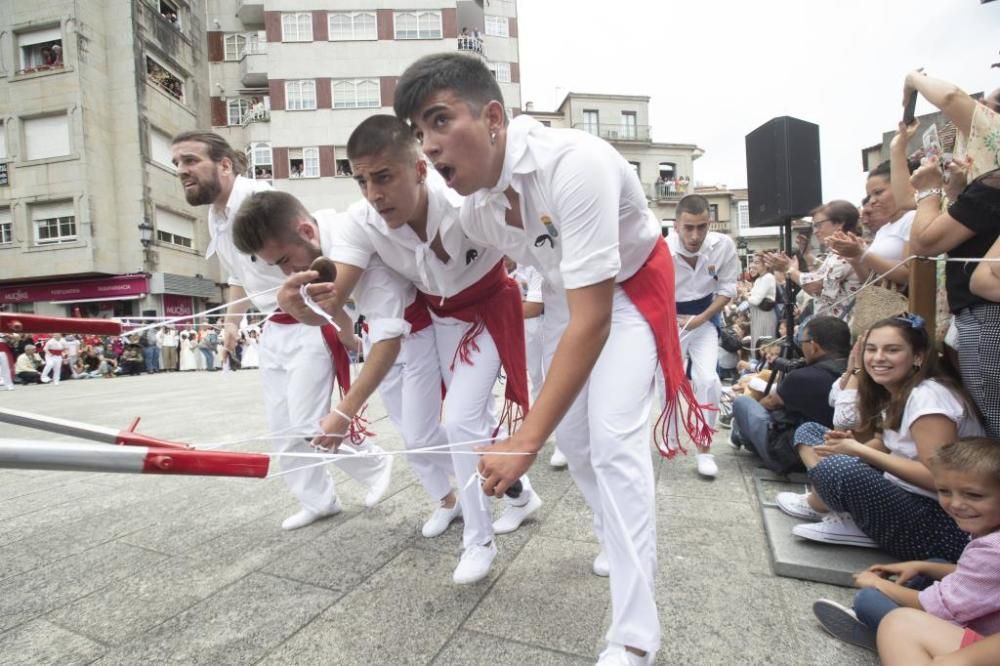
(931, 398)
(350, 242)
(845, 407)
(977, 207)
(763, 287)
(729, 270)
(585, 190)
(972, 591)
(382, 296)
(535, 284)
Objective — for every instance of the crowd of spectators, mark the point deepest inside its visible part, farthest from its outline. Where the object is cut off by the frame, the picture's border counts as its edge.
(43, 359)
(897, 426)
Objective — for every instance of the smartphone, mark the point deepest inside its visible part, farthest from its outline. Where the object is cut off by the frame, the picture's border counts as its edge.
(932, 142)
(911, 108)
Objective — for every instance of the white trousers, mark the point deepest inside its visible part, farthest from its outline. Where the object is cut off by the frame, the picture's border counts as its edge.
(53, 366)
(605, 436)
(468, 416)
(297, 375)
(701, 347)
(411, 393)
(535, 354)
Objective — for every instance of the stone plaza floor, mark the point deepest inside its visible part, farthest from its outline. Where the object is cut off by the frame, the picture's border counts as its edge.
(128, 569)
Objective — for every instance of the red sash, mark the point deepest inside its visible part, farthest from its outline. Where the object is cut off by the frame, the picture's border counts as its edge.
(54, 352)
(493, 303)
(651, 289)
(417, 315)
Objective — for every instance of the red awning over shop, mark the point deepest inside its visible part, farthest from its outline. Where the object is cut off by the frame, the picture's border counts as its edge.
(115, 287)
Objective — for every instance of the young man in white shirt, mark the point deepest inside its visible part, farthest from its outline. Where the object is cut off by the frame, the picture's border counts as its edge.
(411, 221)
(568, 204)
(296, 366)
(707, 268)
(55, 351)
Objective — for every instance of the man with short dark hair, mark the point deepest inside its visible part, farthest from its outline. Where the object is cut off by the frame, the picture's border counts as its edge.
(803, 395)
(707, 268)
(296, 361)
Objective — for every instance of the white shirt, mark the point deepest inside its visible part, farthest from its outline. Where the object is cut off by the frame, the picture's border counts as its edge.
(715, 272)
(242, 270)
(381, 294)
(169, 338)
(763, 287)
(53, 345)
(928, 397)
(583, 208)
(72, 346)
(531, 283)
(364, 234)
(891, 238)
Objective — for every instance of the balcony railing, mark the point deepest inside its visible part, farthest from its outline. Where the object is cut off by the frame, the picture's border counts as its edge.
(669, 189)
(255, 114)
(471, 44)
(616, 132)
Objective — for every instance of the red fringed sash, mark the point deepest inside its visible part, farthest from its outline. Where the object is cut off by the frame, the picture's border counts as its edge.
(493, 304)
(651, 289)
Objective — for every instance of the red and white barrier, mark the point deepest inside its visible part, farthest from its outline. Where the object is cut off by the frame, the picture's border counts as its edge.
(26, 323)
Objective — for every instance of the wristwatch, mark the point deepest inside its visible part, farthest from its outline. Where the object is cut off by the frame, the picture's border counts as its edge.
(923, 194)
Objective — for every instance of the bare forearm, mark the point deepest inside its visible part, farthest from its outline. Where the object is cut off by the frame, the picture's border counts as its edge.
(532, 310)
(899, 273)
(955, 103)
(899, 176)
(383, 354)
(904, 596)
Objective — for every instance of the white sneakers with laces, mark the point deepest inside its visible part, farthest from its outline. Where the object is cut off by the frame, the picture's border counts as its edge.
(440, 520)
(796, 505)
(475, 564)
(835, 528)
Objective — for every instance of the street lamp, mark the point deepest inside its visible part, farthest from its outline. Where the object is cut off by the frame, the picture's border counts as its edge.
(146, 238)
(741, 250)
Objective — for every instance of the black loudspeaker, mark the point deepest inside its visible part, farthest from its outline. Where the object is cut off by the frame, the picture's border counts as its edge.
(783, 172)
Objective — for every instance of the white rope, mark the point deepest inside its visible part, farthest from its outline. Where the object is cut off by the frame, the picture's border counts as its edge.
(314, 306)
(224, 306)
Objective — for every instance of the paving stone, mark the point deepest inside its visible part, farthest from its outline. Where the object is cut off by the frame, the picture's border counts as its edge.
(122, 611)
(522, 607)
(26, 596)
(472, 647)
(239, 625)
(380, 624)
(41, 642)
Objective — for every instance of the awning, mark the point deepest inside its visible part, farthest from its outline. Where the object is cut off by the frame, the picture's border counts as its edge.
(98, 300)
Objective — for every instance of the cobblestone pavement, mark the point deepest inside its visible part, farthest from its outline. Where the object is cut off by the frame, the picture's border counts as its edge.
(126, 569)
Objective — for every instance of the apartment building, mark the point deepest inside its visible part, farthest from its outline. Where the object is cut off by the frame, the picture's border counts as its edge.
(290, 80)
(92, 220)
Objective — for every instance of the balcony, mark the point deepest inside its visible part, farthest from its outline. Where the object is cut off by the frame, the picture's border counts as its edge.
(468, 44)
(253, 66)
(251, 12)
(616, 132)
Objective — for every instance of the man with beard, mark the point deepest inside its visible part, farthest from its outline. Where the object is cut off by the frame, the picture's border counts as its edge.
(706, 267)
(295, 360)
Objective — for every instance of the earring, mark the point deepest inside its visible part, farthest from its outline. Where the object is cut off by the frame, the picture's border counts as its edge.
(493, 138)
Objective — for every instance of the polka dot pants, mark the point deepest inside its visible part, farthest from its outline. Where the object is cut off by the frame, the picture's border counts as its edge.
(810, 434)
(906, 525)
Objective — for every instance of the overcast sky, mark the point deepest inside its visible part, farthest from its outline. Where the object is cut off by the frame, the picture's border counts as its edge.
(716, 70)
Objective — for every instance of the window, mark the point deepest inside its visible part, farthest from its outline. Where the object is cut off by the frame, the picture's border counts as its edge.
(174, 229)
(713, 212)
(343, 166)
(628, 125)
(46, 137)
(297, 27)
(497, 26)
(170, 14)
(40, 50)
(260, 161)
(636, 168)
(164, 79)
(300, 95)
(501, 71)
(347, 26)
(6, 227)
(303, 162)
(418, 25)
(159, 149)
(590, 122)
(53, 223)
(236, 110)
(234, 45)
(356, 94)
(743, 214)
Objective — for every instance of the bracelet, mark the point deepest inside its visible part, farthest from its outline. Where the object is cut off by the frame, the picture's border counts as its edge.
(923, 194)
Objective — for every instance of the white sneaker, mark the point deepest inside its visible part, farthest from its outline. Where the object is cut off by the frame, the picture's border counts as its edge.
(308, 516)
(835, 528)
(617, 655)
(440, 520)
(558, 459)
(475, 564)
(46, 380)
(601, 567)
(377, 490)
(796, 506)
(843, 623)
(513, 516)
(707, 466)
